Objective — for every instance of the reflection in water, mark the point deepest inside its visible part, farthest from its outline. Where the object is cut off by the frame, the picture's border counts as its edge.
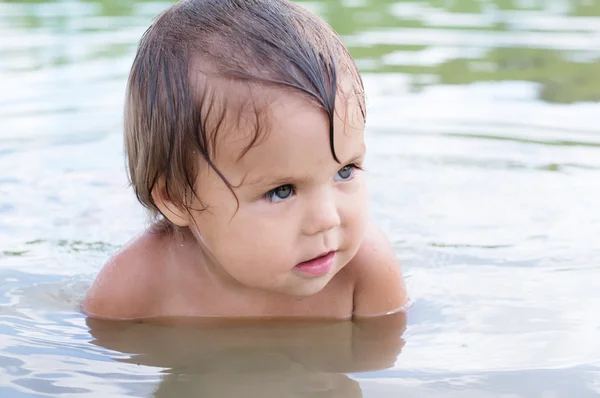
(256, 358)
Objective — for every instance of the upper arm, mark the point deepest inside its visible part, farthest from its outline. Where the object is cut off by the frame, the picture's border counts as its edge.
(123, 289)
(379, 284)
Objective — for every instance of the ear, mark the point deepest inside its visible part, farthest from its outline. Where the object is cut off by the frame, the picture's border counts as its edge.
(175, 213)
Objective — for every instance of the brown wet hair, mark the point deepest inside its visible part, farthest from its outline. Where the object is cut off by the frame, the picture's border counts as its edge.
(191, 58)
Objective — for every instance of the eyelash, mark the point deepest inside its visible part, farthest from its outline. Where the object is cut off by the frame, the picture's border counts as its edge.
(269, 196)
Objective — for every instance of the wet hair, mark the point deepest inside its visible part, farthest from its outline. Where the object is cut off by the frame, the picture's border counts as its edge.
(193, 53)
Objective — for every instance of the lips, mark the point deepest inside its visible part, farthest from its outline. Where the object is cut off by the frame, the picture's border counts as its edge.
(318, 265)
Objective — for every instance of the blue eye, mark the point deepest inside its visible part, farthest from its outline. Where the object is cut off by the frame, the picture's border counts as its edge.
(280, 193)
(345, 173)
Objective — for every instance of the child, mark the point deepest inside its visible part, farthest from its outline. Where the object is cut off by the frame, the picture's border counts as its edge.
(244, 134)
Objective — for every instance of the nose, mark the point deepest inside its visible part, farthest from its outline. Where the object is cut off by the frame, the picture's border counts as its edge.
(322, 214)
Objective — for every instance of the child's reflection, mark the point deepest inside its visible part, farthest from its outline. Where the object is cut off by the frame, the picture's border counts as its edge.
(247, 358)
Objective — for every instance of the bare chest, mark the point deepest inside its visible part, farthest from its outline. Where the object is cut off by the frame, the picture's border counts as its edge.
(202, 299)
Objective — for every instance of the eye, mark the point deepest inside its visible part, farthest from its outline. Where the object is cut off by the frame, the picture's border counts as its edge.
(345, 173)
(280, 193)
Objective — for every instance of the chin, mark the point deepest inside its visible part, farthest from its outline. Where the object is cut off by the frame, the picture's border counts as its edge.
(309, 289)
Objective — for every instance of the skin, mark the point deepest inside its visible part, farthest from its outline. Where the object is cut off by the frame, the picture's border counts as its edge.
(295, 203)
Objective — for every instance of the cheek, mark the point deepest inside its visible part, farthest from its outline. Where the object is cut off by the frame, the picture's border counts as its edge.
(254, 250)
(357, 216)
(355, 211)
(213, 224)
(250, 236)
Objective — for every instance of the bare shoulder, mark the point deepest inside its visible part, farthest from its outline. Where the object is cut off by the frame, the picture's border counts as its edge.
(379, 286)
(128, 286)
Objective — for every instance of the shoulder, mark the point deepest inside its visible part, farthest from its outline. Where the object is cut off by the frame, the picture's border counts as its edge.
(128, 286)
(379, 286)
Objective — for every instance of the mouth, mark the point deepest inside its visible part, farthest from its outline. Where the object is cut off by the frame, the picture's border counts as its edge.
(317, 266)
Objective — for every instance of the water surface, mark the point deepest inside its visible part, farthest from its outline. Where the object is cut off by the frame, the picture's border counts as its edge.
(484, 163)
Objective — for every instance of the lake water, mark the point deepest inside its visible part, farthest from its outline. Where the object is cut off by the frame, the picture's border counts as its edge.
(484, 162)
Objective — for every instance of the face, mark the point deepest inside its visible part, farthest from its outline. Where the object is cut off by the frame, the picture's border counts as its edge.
(296, 203)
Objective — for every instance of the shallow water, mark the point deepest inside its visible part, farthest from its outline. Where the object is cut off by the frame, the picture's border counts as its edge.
(484, 162)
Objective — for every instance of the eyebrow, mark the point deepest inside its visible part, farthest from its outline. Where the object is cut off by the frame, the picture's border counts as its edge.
(273, 181)
(276, 181)
(356, 157)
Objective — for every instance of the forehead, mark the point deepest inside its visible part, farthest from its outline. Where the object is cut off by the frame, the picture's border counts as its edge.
(287, 130)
